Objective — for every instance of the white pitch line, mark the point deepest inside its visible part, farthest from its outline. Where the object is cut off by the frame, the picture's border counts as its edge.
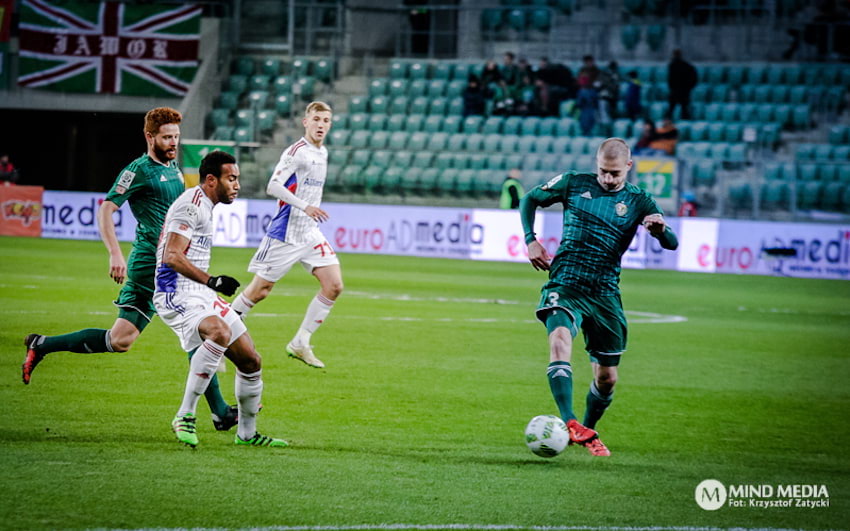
(487, 527)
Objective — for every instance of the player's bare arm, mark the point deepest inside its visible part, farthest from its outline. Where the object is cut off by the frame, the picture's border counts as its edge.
(316, 213)
(117, 263)
(174, 257)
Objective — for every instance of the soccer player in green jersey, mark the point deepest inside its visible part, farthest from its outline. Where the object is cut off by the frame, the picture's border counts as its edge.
(602, 213)
(150, 184)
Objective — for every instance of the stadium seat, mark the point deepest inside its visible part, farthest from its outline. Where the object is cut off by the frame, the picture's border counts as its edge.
(442, 70)
(543, 144)
(301, 67)
(243, 134)
(418, 141)
(807, 172)
(421, 160)
(841, 153)
(357, 104)
(827, 172)
(339, 137)
(474, 142)
(630, 36)
(456, 141)
(740, 196)
(495, 161)
(398, 140)
(244, 65)
(436, 88)
(461, 72)
(376, 122)
(704, 172)
(259, 82)
(809, 195)
(381, 158)
(432, 124)
(516, 19)
(655, 34)
(540, 20)
(418, 70)
(378, 87)
(491, 19)
(419, 105)
(398, 70)
(414, 122)
(218, 117)
(775, 195)
(472, 124)
(244, 118)
(418, 87)
(492, 142)
(455, 88)
(438, 106)
(566, 127)
(358, 121)
(323, 70)
(282, 85)
(530, 126)
(454, 107)
(359, 139)
(399, 104)
(305, 87)
(492, 125)
(379, 104)
(437, 141)
(270, 67)
(561, 144)
(509, 143)
(237, 83)
(444, 160)
(223, 132)
(361, 157)
(398, 88)
(524, 144)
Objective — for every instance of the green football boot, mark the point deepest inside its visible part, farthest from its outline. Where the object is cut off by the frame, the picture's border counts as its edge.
(261, 440)
(184, 428)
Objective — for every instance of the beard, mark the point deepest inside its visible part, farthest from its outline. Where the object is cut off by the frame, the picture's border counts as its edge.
(164, 155)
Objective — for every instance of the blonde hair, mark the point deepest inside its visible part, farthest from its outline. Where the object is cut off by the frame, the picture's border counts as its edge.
(317, 106)
(156, 118)
(614, 148)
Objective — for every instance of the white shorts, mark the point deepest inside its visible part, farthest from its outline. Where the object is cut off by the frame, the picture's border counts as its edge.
(275, 258)
(183, 312)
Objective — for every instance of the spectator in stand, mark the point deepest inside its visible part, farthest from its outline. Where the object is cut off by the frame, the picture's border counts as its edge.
(589, 69)
(632, 99)
(474, 97)
(527, 98)
(8, 173)
(491, 77)
(510, 71)
(689, 206)
(681, 80)
(512, 190)
(556, 84)
(608, 86)
(524, 68)
(646, 138)
(587, 102)
(666, 138)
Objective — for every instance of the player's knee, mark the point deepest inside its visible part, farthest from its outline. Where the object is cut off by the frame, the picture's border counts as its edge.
(218, 332)
(121, 342)
(334, 289)
(605, 381)
(560, 344)
(251, 363)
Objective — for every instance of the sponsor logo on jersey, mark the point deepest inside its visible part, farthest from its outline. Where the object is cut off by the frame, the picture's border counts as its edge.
(552, 182)
(621, 209)
(162, 179)
(586, 195)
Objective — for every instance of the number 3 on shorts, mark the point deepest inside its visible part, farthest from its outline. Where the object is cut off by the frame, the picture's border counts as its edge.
(553, 298)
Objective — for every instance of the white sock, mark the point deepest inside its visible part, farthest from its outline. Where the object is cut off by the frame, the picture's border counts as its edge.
(242, 304)
(317, 312)
(202, 367)
(249, 390)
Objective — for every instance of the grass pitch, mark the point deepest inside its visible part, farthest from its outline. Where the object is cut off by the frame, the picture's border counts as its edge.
(434, 368)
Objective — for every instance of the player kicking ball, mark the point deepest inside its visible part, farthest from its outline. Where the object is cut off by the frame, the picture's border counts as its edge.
(186, 300)
(602, 213)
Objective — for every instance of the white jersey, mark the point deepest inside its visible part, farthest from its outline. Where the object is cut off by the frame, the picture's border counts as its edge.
(191, 215)
(302, 169)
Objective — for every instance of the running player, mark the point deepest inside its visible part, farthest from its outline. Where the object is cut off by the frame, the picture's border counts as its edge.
(186, 301)
(150, 184)
(602, 213)
(293, 236)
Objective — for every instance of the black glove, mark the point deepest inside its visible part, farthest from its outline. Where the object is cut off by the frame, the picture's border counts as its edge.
(223, 284)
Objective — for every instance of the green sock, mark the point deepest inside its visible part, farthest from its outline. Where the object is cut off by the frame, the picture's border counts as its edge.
(560, 374)
(86, 341)
(597, 403)
(216, 402)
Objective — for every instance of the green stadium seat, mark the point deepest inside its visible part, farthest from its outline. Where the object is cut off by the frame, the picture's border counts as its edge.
(472, 124)
(788, 171)
(804, 151)
(244, 65)
(491, 19)
(228, 100)
(716, 131)
(437, 88)
(218, 117)
(442, 70)
(720, 93)
(402, 159)
(259, 99)
(655, 34)
(841, 153)
(379, 104)
(237, 83)
(457, 141)
(419, 105)
(477, 161)
(451, 124)
(378, 87)
(736, 151)
(827, 172)
(422, 160)
(704, 173)
(359, 139)
(455, 107)
(807, 172)
(379, 139)
(740, 196)
(399, 105)
(323, 70)
(437, 141)
(630, 36)
(376, 122)
(396, 122)
(339, 137)
(494, 161)
(756, 74)
(474, 142)
(432, 124)
(414, 122)
(282, 85)
(515, 19)
(418, 87)
(823, 152)
(561, 144)
(492, 142)
(361, 157)
(418, 141)
(548, 126)
(540, 19)
(775, 195)
(809, 195)
(266, 121)
(223, 132)
(735, 75)
(357, 104)
(774, 75)
(543, 144)
(358, 121)
(399, 88)
(845, 199)
(578, 145)
(399, 140)
(338, 157)
(351, 179)
(530, 126)
(438, 106)
(524, 144)
(801, 117)
(444, 160)
(259, 82)
(244, 118)
(398, 69)
(418, 70)
(509, 143)
(305, 87)
(566, 127)
(747, 112)
(765, 112)
(243, 134)
(513, 160)
(270, 66)
(301, 67)
(492, 125)
(455, 88)
(838, 134)
(381, 158)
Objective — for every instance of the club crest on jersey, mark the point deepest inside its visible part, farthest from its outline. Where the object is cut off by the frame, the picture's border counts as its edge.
(621, 209)
(124, 181)
(552, 182)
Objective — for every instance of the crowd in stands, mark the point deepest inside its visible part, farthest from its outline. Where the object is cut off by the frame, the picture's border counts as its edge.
(515, 88)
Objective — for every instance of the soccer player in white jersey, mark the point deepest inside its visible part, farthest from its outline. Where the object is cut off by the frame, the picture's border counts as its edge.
(186, 300)
(293, 236)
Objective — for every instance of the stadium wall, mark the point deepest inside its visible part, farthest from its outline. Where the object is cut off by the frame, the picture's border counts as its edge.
(706, 244)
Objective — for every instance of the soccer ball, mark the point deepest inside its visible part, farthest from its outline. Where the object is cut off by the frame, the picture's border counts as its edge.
(546, 435)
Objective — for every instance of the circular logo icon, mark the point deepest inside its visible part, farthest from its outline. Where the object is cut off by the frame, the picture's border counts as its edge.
(710, 494)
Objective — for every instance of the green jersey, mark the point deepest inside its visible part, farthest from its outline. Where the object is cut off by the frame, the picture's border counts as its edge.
(150, 187)
(598, 228)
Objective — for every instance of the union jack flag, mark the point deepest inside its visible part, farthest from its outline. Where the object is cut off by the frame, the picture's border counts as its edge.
(109, 47)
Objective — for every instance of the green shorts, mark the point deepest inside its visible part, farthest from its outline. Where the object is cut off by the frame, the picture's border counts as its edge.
(135, 304)
(601, 319)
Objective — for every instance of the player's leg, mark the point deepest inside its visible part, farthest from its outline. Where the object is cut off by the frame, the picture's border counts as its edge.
(215, 336)
(272, 260)
(607, 333)
(331, 286)
(601, 393)
(249, 388)
(257, 290)
(224, 416)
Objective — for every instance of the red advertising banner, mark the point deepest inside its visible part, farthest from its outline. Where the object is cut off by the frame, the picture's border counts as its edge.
(20, 210)
(5, 19)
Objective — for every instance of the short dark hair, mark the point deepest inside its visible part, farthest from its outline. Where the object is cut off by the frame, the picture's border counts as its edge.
(212, 163)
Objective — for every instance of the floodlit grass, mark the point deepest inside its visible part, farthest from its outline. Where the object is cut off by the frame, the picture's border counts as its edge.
(434, 368)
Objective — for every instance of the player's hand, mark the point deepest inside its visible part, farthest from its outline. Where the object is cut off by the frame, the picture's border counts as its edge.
(223, 284)
(316, 213)
(655, 224)
(117, 268)
(539, 256)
